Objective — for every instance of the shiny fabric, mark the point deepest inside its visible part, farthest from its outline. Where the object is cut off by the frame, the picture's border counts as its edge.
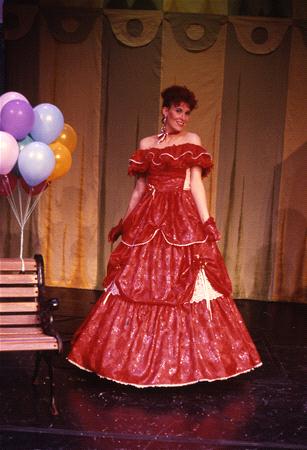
(147, 329)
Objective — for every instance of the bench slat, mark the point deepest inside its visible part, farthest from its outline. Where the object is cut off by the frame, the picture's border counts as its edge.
(34, 344)
(10, 292)
(29, 338)
(18, 278)
(20, 319)
(15, 264)
(9, 331)
(6, 307)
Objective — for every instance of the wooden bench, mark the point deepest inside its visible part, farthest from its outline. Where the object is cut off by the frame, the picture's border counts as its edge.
(26, 321)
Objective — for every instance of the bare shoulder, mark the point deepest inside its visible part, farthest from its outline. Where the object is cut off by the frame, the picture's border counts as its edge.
(193, 138)
(147, 142)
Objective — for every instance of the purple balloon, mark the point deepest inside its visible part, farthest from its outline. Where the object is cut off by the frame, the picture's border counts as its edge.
(36, 162)
(17, 118)
(48, 123)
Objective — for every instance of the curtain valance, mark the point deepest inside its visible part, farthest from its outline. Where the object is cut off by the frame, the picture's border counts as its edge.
(193, 32)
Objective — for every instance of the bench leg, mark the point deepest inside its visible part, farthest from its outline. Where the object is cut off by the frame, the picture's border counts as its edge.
(38, 359)
(53, 407)
(47, 356)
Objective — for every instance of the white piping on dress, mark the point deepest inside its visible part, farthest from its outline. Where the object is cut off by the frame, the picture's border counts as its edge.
(184, 245)
(142, 243)
(136, 162)
(171, 243)
(171, 156)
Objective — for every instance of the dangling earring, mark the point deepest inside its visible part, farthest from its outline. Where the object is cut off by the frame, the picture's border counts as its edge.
(163, 133)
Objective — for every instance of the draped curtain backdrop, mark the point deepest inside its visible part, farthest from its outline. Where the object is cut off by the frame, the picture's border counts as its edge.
(105, 69)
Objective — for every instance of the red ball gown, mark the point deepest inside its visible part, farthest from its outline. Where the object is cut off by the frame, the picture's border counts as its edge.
(166, 317)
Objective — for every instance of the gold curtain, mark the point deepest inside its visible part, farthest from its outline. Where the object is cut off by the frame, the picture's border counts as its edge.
(70, 77)
(250, 78)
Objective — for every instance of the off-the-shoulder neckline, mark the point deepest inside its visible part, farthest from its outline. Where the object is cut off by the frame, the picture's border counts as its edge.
(171, 146)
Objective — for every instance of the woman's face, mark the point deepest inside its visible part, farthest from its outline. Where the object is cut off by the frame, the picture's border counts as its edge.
(177, 117)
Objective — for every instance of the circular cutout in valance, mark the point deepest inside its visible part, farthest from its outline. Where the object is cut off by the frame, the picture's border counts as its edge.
(134, 28)
(195, 32)
(70, 25)
(260, 35)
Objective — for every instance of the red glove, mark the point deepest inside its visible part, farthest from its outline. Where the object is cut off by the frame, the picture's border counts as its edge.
(116, 231)
(211, 231)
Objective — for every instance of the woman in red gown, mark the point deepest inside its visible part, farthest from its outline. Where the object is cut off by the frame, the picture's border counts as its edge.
(166, 317)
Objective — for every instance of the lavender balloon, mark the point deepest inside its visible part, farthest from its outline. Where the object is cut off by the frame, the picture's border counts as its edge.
(17, 118)
(36, 162)
(48, 123)
(12, 95)
(8, 152)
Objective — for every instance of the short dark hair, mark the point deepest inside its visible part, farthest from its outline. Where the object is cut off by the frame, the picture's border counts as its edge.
(174, 95)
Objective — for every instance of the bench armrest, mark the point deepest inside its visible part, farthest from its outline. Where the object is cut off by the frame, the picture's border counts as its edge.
(47, 306)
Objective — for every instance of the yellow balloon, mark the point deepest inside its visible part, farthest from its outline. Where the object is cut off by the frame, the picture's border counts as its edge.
(68, 137)
(63, 160)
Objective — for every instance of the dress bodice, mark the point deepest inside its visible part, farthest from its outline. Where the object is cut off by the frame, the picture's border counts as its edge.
(167, 205)
(171, 161)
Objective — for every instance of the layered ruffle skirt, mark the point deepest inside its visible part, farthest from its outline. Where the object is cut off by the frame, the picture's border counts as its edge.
(166, 317)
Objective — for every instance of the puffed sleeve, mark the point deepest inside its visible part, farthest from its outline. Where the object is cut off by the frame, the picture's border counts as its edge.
(196, 155)
(138, 163)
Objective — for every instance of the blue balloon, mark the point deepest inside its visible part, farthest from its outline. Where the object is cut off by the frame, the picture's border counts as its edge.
(48, 123)
(21, 144)
(36, 162)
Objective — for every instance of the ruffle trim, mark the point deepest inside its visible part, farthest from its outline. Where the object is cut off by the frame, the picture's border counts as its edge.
(187, 244)
(166, 385)
(183, 156)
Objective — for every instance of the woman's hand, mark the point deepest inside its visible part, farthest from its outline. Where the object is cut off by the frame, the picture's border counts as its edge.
(211, 230)
(116, 231)
(137, 193)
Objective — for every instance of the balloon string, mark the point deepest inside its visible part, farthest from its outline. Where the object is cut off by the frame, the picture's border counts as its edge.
(22, 225)
(11, 199)
(26, 216)
(21, 249)
(33, 206)
(21, 214)
(20, 203)
(14, 209)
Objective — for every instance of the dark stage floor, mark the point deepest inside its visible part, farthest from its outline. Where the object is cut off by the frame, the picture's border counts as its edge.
(260, 410)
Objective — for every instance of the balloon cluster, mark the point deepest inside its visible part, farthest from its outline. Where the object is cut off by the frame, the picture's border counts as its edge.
(35, 149)
(35, 143)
